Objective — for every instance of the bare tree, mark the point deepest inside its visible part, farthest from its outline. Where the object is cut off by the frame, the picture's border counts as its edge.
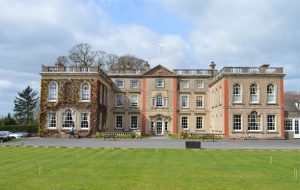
(127, 62)
(61, 61)
(82, 54)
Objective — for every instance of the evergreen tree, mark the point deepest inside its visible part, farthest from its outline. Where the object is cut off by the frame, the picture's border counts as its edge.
(8, 120)
(25, 106)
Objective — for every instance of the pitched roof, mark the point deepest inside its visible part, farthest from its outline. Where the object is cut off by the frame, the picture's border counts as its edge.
(292, 105)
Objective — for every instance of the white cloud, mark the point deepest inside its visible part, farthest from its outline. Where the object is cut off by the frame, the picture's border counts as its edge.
(231, 33)
(5, 84)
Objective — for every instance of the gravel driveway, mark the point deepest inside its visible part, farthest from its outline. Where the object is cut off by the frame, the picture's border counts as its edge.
(157, 143)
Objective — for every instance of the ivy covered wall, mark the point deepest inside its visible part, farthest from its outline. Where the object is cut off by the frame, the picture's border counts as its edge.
(69, 97)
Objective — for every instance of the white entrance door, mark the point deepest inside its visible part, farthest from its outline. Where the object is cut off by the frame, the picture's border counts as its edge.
(159, 126)
(296, 131)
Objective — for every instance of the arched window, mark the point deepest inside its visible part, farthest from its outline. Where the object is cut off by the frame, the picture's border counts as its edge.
(271, 98)
(67, 119)
(253, 121)
(52, 91)
(237, 96)
(85, 92)
(253, 94)
(159, 101)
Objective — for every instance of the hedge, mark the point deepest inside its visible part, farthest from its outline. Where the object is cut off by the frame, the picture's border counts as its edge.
(21, 128)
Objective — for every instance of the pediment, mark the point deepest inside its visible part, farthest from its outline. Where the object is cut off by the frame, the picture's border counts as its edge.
(159, 70)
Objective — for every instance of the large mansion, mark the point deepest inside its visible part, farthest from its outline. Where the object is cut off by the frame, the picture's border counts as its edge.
(235, 101)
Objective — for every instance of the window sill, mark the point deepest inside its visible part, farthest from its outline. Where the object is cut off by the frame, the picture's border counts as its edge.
(52, 128)
(237, 103)
(85, 101)
(84, 129)
(254, 132)
(272, 132)
(52, 101)
(240, 132)
(254, 103)
(158, 107)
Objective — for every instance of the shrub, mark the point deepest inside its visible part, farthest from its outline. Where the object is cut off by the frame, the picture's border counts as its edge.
(182, 134)
(32, 129)
(99, 135)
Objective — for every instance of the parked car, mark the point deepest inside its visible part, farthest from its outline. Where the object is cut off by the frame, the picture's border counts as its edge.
(4, 137)
(8, 134)
(19, 134)
(15, 135)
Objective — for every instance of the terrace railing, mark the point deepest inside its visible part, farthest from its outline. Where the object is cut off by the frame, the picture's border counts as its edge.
(193, 71)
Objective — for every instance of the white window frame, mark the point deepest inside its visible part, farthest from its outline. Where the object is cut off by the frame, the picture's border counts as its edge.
(85, 93)
(160, 83)
(288, 121)
(50, 118)
(185, 83)
(132, 82)
(202, 123)
(236, 96)
(187, 123)
(52, 96)
(137, 122)
(271, 97)
(121, 86)
(87, 120)
(234, 122)
(122, 98)
(252, 96)
(116, 122)
(268, 122)
(201, 100)
(199, 84)
(257, 122)
(187, 101)
(73, 115)
(159, 100)
(134, 102)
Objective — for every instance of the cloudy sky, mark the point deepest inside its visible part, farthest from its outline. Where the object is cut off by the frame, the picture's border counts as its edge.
(194, 32)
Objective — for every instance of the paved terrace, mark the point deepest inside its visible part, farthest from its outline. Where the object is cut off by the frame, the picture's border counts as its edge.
(156, 142)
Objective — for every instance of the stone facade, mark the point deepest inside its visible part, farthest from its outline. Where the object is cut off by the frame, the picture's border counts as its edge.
(160, 101)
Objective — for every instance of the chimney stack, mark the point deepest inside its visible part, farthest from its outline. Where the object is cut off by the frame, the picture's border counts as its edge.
(212, 65)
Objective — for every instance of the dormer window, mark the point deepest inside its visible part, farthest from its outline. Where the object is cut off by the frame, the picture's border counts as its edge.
(297, 104)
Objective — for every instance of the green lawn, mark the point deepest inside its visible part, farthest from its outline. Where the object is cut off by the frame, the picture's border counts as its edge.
(74, 168)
